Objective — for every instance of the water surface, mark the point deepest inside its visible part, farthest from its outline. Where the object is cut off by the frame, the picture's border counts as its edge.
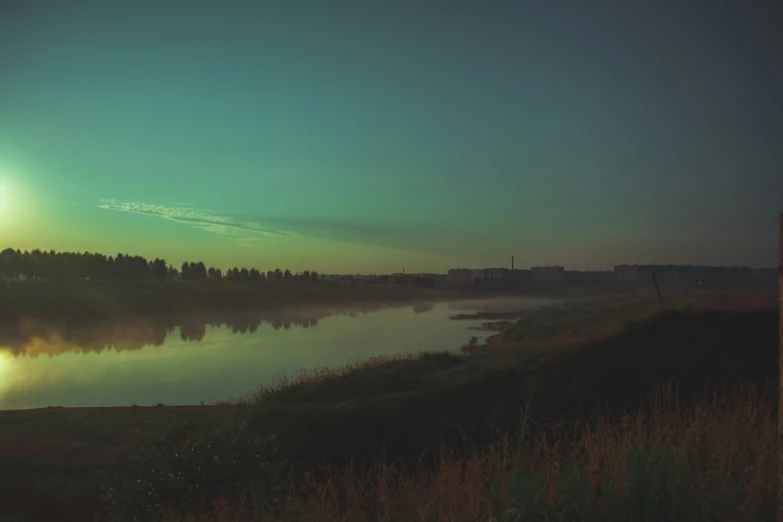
(194, 359)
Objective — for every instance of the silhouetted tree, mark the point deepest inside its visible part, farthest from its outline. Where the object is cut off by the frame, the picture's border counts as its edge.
(12, 262)
(287, 275)
(125, 267)
(34, 267)
(8, 263)
(185, 272)
(214, 274)
(158, 269)
(198, 272)
(98, 267)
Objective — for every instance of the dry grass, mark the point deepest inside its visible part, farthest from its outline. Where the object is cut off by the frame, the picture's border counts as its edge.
(712, 459)
(305, 377)
(558, 328)
(355, 381)
(552, 330)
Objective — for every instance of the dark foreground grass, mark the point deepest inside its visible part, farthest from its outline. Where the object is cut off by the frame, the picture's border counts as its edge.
(710, 459)
(312, 430)
(52, 460)
(294, 448)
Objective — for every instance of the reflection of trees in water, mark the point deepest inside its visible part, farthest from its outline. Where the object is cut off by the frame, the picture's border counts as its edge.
(192, 330)
(422, 308)
(35, 338)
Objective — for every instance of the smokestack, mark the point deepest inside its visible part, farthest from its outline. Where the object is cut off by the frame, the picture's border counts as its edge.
(403, 271)
(512, 262)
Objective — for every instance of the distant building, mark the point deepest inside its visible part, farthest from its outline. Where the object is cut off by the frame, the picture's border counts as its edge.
(460, 275)
(766, 277)
(422, 279)
(547, 275)
(519, 277)
(589, 277)
(668, 276)
(626, 274)
(692, 276)
(487, 276)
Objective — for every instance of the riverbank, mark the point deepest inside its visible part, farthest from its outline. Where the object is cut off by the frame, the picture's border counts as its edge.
(91, 301)
(554, 362)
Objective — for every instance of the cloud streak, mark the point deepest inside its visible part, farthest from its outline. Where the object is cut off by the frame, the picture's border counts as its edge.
(249, 231)
(202, 220)
(429, 238)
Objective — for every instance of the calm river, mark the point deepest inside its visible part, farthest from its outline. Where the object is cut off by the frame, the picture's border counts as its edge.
(193, 359)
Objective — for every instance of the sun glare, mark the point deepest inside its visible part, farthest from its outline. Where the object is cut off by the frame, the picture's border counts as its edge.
(5, 199)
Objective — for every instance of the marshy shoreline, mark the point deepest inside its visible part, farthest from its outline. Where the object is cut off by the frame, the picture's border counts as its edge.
(519, 416)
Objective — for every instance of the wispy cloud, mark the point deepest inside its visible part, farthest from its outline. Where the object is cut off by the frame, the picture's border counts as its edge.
(430, 238)
(251, 231)
(203, 220)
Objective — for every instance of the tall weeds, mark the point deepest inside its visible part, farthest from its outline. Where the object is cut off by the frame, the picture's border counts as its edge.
(711, 459)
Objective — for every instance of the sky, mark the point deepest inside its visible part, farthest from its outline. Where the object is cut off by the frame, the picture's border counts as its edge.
(368, 137)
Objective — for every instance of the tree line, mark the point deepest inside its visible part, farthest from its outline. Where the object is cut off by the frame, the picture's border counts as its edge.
(70, 266)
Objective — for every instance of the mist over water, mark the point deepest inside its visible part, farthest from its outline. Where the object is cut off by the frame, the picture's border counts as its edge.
(190, 359)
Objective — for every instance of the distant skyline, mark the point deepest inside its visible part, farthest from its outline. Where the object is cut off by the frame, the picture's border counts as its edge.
(357, 137)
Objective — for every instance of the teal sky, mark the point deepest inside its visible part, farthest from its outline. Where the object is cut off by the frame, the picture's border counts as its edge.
(362, 137)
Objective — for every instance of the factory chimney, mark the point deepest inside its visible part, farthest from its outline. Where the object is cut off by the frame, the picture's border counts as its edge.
(512, 262)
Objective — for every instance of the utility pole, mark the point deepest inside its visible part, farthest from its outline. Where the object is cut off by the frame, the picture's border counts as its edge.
(658, 291)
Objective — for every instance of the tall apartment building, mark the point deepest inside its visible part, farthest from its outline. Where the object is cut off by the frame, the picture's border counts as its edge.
(547, 275)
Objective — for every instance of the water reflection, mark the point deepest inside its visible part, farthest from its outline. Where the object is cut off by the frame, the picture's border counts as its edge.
(502, 304)
(35, 338)
(203, 359)
(422, 308)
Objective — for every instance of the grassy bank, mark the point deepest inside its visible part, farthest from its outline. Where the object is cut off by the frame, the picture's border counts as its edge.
(710, 459)
(556, 363)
